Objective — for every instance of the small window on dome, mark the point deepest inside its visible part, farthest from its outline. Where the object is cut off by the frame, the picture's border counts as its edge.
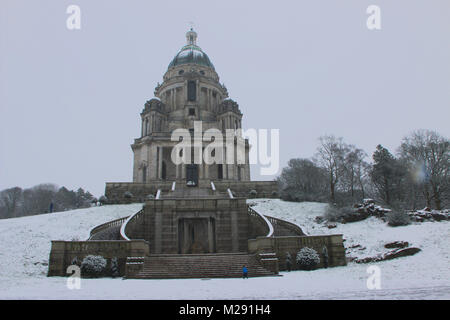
(180, 72)
(202, 72)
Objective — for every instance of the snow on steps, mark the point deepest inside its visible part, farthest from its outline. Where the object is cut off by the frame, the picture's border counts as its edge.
(217, 265)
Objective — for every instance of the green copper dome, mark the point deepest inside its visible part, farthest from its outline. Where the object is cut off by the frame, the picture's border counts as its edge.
(191, 53)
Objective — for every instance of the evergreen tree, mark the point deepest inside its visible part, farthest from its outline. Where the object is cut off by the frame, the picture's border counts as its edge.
(387, 174)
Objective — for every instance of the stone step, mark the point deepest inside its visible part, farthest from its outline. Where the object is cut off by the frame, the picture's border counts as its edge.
(200, 266)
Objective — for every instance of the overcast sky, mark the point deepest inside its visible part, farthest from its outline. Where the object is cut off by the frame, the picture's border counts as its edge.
(70, 100)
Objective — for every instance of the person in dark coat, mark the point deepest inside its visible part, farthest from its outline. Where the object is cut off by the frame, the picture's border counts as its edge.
(244, 272)
(51, 207)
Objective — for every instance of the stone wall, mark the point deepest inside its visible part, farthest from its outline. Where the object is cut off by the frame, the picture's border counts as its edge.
(63, 252)
(160, 223)
(115, 191)
(264, 189)
(292, 244)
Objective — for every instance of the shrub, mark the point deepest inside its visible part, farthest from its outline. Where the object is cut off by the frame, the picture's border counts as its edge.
(150, 197)
(128, 195)
(274, 194)
(93, 266)
(332, 213)
(344, 214)
(103, 200)
(397, 218)
(307, 258)
(253, 193)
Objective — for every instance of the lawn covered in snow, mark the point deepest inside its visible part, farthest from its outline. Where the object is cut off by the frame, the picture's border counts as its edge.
(25, 247)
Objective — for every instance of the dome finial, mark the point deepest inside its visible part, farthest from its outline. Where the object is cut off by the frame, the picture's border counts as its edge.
(191, 35)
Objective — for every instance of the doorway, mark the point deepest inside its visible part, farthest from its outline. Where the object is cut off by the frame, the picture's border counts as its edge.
(196, 235)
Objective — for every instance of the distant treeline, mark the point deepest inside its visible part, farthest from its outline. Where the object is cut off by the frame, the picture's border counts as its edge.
(43, 198)
(417, 175)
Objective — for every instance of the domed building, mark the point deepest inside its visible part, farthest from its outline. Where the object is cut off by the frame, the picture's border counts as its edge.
(190, 92)
(195, 221)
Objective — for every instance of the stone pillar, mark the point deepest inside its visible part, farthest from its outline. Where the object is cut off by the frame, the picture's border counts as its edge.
(173, 92)
(160, 158)
(158, 231)
(153, 164)
(234, 232)
(224, 165)
(200, 171)
(206, 170)
(210, 236)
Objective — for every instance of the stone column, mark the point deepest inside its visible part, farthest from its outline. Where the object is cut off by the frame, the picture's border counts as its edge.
(200, 171)
(234, 232)
(224, 165)
(160, 158)
(153, 165)
(173, 92)
(158, 232)
(206, 170)
(210, 236)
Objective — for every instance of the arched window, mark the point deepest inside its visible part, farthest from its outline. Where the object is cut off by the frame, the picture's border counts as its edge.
(192, 91)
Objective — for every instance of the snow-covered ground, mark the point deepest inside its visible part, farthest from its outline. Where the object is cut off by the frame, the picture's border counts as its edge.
(25, 246)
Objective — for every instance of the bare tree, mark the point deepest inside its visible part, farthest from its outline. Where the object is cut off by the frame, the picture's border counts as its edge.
(331, 155)
(428, 156)
(355, 169)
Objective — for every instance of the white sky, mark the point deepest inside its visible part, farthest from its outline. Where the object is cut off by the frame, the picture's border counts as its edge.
(70, 100)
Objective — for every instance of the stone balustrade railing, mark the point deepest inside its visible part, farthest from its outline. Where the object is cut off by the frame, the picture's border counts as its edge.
(285, 228)
(107, 225)
(260, 225)
(132, 226)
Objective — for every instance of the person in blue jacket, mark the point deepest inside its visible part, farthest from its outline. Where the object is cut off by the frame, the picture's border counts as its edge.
(244, 272)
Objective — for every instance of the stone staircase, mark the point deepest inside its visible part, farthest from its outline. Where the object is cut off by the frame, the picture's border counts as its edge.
(217, 265)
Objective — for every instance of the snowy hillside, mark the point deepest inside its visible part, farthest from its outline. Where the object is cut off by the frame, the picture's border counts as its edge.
(26, 240)
(26, 244)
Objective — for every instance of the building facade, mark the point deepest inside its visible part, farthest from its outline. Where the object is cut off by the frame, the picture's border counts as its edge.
(191, 96)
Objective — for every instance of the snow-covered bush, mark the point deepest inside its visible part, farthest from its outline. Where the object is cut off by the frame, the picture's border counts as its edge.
(397, 218)
(307, 258)
(103, 200)
(150, 197)
(128, 195)
(253, 193)
(93, 266)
